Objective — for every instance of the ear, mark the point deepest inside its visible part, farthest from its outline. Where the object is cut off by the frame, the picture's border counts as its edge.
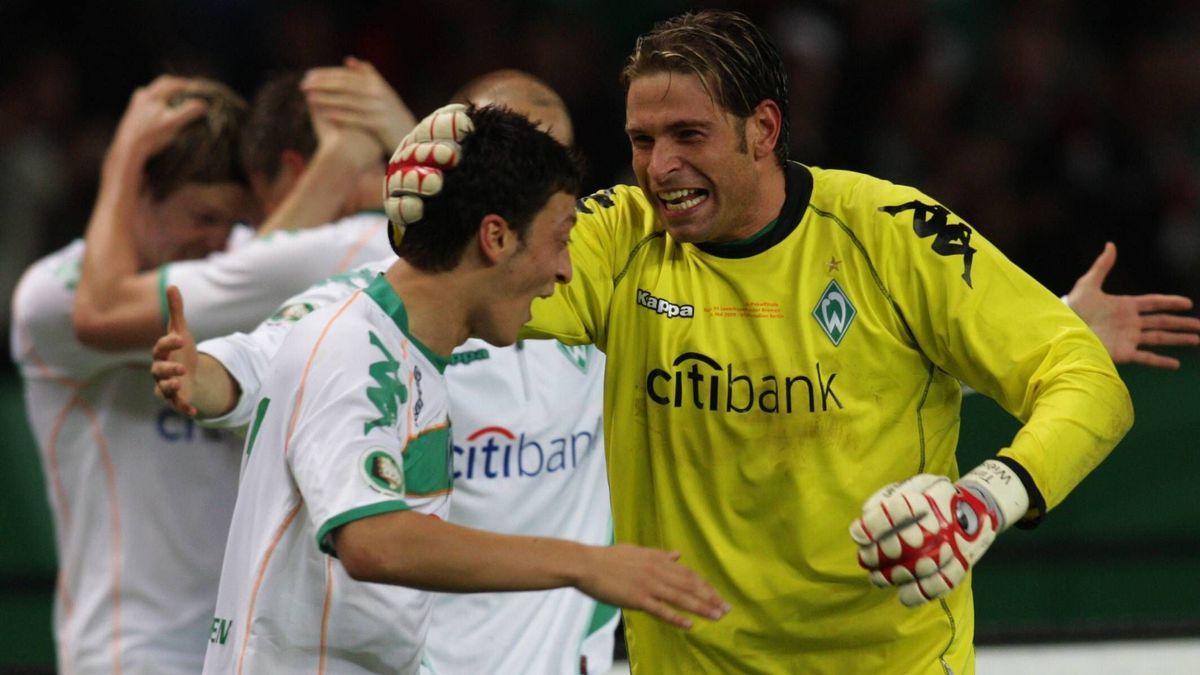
(763, 128)
(497, 241)
(293, 163)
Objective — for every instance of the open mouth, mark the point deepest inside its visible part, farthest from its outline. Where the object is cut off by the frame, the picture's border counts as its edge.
(682, 200)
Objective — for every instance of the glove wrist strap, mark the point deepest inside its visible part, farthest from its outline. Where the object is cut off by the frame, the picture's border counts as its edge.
(1000, 489)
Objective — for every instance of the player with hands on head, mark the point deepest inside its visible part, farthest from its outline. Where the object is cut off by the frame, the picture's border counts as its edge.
(140, 498)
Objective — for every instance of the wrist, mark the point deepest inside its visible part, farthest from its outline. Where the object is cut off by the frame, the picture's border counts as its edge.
(1001, 489)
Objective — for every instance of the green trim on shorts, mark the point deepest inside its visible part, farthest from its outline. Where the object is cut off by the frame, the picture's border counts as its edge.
(164, 310)
(324, 538)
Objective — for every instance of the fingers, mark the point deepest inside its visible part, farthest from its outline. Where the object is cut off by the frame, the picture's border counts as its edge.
(176, 321)
(1164, 338)
(1152, 360)
(165, 346)
(1103, 263)
(1157, 302)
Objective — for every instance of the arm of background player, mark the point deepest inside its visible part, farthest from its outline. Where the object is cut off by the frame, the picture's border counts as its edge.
(1127, 323)
(359, 119)
(114, 305)
(419, 551)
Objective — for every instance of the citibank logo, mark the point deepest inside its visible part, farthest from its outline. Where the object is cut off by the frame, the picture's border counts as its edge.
(497, 452)
(699, 381)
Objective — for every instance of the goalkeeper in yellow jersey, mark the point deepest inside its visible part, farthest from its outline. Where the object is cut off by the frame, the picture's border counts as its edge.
(785, 350)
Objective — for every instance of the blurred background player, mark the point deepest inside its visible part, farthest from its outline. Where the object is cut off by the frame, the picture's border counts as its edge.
(141, 497)
(305, 175)
(528, 458)
(357, 386)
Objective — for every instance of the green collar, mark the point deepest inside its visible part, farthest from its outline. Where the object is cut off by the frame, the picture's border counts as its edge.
(384, 295)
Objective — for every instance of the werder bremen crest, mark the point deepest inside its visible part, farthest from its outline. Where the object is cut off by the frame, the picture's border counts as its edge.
(578, 355)
(834, 312)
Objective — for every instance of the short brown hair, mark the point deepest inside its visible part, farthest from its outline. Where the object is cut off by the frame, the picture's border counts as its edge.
(279, 121)
(206, 150)
(736, 63)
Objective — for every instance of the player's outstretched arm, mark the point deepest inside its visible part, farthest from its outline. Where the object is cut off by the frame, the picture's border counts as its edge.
(356, 95)
(115, 306)
(194, 384)
(922, 535)
(411, 549)
(1129, 324)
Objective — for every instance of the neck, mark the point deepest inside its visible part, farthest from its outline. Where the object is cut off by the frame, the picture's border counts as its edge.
(437, 315)
(767, 205)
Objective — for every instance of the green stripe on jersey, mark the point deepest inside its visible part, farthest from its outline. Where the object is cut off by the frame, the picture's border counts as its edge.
(324, 534)
(259, 414)
(427, 463)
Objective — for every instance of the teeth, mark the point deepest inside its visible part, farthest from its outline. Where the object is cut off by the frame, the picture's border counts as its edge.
(685, 204)
(679, 200)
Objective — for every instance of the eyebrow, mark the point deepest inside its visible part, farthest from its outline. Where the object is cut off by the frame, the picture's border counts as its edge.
(676, 126)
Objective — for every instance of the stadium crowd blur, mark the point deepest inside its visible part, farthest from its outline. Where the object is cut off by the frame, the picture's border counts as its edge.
(1050, 125)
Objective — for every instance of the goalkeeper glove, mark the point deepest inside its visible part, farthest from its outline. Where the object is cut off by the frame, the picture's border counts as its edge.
(923, 534)
(415, 170)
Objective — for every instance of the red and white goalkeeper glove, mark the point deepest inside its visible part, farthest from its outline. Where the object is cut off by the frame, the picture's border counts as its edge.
(921, 535)
(415, 170)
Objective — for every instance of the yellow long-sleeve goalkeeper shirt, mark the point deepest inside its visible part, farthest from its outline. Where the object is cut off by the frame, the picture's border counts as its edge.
(757, 393)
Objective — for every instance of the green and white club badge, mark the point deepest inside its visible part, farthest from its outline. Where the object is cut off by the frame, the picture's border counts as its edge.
(381, 472)
(834, 312)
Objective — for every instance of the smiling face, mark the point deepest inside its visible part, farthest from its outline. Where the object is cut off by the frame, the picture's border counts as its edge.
(701, 166)
(191, 222)
(531, 268)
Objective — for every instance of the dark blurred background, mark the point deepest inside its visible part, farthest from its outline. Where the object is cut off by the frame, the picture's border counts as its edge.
(1051, 126)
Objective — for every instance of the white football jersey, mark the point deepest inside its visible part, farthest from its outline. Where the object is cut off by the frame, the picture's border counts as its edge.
(141, 496)
(351, 422)
(528, 459)
(235, 289)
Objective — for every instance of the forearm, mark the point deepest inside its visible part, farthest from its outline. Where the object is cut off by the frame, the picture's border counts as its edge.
(320, 195)
(108, 281)
(419, 551)
(1080, 410)
(215, 392)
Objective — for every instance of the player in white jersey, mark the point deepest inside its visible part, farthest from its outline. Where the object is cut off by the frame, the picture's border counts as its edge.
(539, 404)
(351, 433)
(141, 496)
(304, 173)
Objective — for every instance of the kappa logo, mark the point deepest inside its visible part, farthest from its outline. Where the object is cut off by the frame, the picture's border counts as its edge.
(664, 306)
(390, 393)
(381, 472)
(834, 312)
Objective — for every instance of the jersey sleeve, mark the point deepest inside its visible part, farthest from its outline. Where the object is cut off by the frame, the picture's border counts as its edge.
(982, 319)
(43, 341)
(234, 290)
(347, 443)
(246, 356)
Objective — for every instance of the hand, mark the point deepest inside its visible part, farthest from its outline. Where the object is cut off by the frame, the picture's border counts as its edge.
(175, 359)
(415, 171)
(652, 581)
(357, 149)
(356, 96)
(1125, 323)
(153, 117)
(923, 534)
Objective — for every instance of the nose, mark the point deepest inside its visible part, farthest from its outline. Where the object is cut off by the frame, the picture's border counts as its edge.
(663, 159)
(563, 273)
(216, 238)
